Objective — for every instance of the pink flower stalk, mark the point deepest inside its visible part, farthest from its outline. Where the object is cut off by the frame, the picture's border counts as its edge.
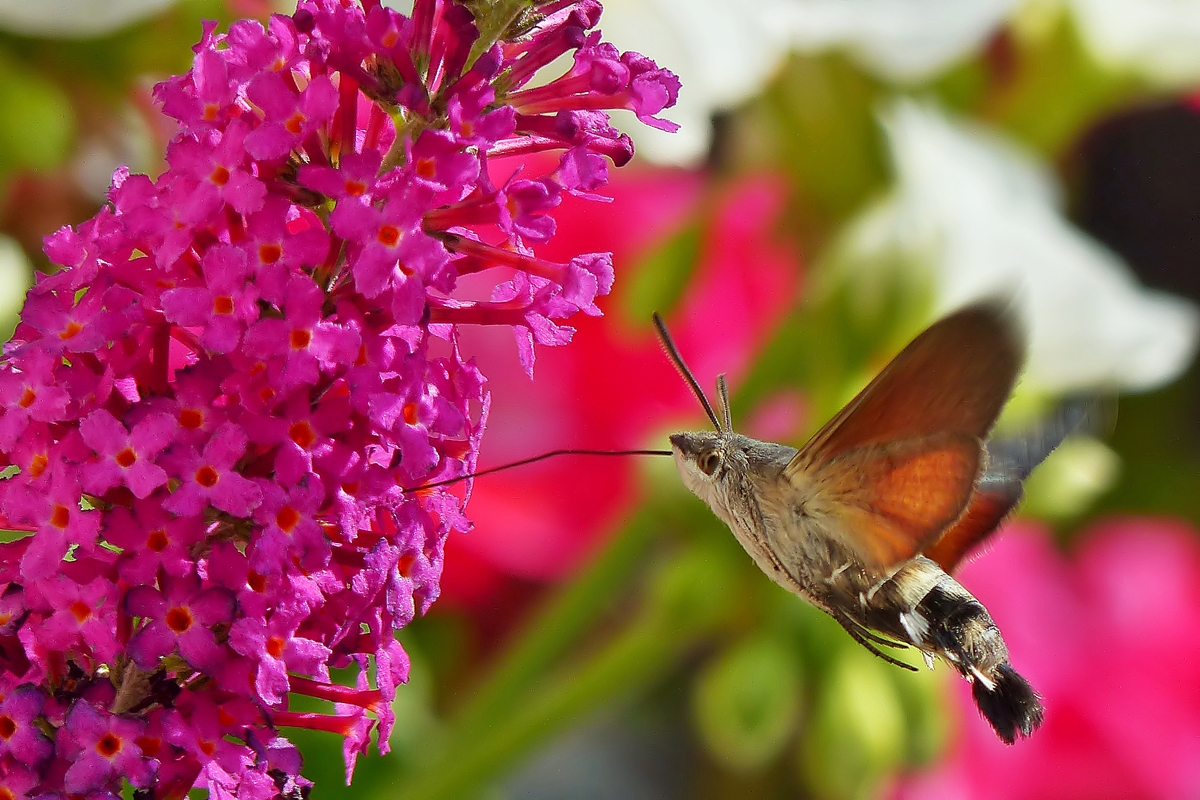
(215, 412)
(1111, 638)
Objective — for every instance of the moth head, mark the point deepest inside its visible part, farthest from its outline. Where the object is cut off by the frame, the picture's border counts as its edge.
(701, 458)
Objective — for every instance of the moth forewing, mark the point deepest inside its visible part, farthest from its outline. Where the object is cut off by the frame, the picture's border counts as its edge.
(954, 377)
(896, 499)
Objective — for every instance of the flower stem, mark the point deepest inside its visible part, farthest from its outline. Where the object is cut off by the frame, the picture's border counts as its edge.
(492, 18)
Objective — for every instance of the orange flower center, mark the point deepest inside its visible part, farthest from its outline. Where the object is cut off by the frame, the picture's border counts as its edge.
(287, 519)
(109, 745)
(179, 619)
(256, 582)
(126, 458)
(60, 517)
(302, 434)
(158, 540)
(270, 253)
(207, 477)
(388, 236)
(38, 464)
(300, 338)
(150, 745)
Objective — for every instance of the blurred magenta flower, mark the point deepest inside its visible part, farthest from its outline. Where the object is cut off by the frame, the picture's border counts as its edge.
(617, 389)
(219, 411)
(1111, 639)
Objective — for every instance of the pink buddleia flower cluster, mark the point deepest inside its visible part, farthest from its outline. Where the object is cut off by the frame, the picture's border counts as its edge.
(218, 415)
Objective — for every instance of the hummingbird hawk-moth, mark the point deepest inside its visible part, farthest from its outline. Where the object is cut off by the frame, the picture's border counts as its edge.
(867, 519)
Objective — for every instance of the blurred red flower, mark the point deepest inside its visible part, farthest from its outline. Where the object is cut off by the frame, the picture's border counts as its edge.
(614, 388)
(1111, 639)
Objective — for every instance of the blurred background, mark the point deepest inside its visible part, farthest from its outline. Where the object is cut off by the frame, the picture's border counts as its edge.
(846, 172)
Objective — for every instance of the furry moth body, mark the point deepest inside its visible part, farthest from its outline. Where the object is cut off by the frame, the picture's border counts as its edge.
(867, 519)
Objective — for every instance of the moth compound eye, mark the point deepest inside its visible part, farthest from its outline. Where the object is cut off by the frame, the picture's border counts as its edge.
(708, 462)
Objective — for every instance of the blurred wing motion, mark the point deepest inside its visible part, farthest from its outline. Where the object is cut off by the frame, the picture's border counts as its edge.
(903, 456)
(1009, 463)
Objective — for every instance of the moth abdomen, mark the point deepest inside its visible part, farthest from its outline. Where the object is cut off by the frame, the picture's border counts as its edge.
(961, 630)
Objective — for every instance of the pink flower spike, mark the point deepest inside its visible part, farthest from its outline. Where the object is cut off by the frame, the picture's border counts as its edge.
(59, 522)
(216, 409)
(356, 178)
(30, 394)
(296, 345)
(438, 162)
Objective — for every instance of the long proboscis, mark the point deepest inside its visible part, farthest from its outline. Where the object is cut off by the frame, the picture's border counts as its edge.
(534, 460)
(676, 359)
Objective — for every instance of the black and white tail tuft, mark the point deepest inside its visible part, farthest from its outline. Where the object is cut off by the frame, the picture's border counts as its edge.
(1010, 705)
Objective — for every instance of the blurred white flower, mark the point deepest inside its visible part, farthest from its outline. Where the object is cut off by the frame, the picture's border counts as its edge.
(74, 18)
(986, 217)
(723, 53)
(902, 41)
(1156, 39)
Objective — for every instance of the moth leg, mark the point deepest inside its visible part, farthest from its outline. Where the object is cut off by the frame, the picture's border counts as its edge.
(881, 640)
(864, 637)
(867, 633)
(876, 651)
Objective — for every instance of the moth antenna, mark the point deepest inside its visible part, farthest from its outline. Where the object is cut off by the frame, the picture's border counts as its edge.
(534, 460)
(677, 360)
(723, 402)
